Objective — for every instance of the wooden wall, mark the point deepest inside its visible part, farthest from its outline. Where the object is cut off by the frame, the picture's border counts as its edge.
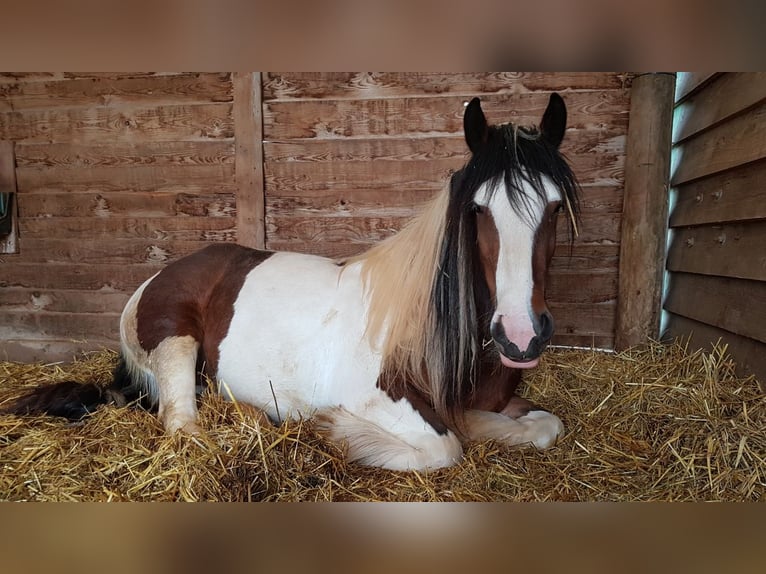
(119, 173)
(348, 158)
(116, 175)
(717, 256)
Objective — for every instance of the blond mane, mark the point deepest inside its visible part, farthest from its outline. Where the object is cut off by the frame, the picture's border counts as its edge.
(398, 274)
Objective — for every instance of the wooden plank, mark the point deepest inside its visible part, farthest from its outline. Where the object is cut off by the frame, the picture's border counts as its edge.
(248, 126)
(34, 350)
(588, 319)
(199, 122)
(78, 276)
(107, 250)
(23, 300)
(379, 224)
(729, 250)
(429, 117)
(591, 169)
(724, 97)
(607, 139)
(113, 154)
(44, 325)
(117, 92)
(214, 178)
(688, 82)
(595, 199)
(367, 85)
(734, 195)
(739, 140)
(749, 355)
(736, 305)
(95, 229)
(645, 208)
(121, 204)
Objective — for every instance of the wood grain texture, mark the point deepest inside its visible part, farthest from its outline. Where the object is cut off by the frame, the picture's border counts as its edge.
(724, 97)
(645, 207)
(199, 122)
(736, 305)
(738, 194)
(420, 117)
(740, 140)
(213, 178)
(119, 91)
(367, 85)
(126, 204)
(62, 301)
(728, 250)
(115, 154)
(249, 159)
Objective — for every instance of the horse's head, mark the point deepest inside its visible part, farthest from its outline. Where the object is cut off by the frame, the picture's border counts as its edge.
(514, 186)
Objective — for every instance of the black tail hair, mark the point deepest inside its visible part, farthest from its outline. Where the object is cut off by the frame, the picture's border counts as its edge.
(75, 401)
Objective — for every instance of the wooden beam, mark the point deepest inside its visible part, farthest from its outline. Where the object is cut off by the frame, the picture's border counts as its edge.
(248, 137)
(645, 208)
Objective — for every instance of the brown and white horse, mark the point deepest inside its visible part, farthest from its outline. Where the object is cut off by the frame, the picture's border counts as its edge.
(392, 350)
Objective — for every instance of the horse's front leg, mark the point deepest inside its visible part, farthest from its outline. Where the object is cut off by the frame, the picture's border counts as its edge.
(519, 423)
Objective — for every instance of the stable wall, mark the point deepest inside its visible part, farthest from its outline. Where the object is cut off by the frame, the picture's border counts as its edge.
(118, 174)
(717, 254)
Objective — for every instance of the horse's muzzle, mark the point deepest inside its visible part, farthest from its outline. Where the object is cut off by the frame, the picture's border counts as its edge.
(544, 327)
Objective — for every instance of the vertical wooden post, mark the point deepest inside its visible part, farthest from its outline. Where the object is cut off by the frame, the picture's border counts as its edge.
(645, 209)
(248, 158)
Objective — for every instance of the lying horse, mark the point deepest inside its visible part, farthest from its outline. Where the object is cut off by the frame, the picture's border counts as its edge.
(401, 352)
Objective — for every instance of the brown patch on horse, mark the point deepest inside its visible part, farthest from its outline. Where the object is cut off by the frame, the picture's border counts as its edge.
(542, 252)
(195, 296)
(488, 239)
(397, 390)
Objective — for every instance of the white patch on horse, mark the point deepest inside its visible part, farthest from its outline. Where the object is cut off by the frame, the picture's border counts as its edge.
(513, 276)
(173, 362)
(540, 429)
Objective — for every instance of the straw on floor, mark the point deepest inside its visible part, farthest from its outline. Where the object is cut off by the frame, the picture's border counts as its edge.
(655, 423)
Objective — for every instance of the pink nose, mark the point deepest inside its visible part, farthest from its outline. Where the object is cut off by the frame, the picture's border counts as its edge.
(521, 342)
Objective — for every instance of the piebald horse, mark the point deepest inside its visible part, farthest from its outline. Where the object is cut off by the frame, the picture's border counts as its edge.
(402, 352)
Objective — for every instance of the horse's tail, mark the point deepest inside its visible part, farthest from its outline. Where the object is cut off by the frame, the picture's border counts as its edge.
(75, 401)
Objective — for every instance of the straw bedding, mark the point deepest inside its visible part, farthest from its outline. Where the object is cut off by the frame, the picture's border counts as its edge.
(655, 423)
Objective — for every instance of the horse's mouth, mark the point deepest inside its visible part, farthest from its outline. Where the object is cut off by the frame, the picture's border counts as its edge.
(524, 363)
(511, 356)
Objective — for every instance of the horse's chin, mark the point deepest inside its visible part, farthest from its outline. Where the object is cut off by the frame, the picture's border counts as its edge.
(530, 364)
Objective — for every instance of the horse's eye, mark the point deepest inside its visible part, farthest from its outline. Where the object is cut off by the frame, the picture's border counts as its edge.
(476, 208)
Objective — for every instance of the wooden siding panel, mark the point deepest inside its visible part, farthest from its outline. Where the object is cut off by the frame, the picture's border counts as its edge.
(740, 140)
(197, 122)
(727, 95)
(689, 82)
(142, 153)
(735, 195)
(729, 250)
(116, 92)
(122, 204)
(420, 117)
(736, 305)
(375, 85)
(214, 178)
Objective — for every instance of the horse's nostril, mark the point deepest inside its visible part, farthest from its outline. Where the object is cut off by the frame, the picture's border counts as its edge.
(547, 325)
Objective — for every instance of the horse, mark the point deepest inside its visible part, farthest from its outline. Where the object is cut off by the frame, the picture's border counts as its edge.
(402, 353)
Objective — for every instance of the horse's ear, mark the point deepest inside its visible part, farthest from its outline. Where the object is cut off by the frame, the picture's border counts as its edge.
(475, 126)
(554, 120)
